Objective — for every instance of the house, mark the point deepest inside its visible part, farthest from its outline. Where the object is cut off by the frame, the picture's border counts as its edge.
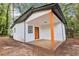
(42, 23)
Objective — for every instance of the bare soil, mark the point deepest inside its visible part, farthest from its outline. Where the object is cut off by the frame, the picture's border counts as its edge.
(69, 48)
(10, 47)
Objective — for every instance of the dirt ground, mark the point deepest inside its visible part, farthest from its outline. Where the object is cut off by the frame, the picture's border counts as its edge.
(10, 47)
(68, 48)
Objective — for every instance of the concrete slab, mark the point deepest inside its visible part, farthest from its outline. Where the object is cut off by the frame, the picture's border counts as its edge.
(46, 44)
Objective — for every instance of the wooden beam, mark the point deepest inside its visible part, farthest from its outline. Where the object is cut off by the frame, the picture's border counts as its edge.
(51, 16)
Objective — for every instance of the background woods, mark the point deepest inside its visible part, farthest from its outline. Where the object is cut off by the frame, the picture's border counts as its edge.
(4, 18)
(71, 13)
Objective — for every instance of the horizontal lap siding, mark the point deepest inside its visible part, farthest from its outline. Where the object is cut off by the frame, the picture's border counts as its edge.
(19, 32)
(59, 31)
(29, 36)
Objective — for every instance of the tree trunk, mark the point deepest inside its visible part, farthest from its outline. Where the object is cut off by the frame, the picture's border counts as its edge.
(7, 18)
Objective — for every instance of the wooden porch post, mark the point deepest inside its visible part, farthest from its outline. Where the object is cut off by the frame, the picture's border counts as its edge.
(51, 16)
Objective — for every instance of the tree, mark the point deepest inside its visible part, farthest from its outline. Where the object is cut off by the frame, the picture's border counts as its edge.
(25, 6)
(71, 13)
(7, 18)
(4, 17)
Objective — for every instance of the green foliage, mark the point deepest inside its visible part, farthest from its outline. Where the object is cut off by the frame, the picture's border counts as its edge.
(71, 13)
(4, 14)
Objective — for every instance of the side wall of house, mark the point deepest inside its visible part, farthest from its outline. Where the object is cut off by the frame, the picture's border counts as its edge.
(64, 31)
(19, 32)
(29, 36)
(59, 31)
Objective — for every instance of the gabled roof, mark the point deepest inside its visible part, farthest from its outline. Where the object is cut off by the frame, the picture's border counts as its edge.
(54, 7)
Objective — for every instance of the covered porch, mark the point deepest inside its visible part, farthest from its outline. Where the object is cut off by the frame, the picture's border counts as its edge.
(44, 27)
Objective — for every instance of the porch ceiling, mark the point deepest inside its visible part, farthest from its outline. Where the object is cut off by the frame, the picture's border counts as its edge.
(42, 20)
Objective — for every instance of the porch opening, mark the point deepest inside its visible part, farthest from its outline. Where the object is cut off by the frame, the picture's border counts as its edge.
(42, 31)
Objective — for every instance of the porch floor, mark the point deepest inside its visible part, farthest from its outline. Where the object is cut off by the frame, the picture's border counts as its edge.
(46, 43)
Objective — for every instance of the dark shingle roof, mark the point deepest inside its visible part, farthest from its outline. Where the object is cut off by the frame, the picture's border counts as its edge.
(54, 7)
